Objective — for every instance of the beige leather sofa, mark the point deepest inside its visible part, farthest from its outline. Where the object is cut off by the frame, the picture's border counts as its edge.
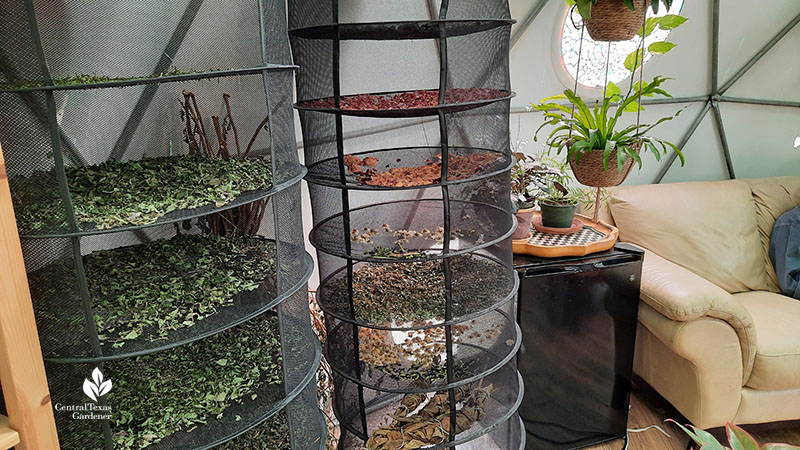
(715, 336)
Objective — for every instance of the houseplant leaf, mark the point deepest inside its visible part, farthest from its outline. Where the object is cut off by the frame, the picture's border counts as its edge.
(739, 439)
(634, 60)
(670, 21)
(704, 438)
(659, 48)
(650, 26)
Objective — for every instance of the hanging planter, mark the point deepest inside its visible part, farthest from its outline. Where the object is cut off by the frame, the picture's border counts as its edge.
(593, 139)
(589, 169)
(613, 20)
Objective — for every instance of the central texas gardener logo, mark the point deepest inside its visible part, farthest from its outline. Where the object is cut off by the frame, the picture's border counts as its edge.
(96, 387)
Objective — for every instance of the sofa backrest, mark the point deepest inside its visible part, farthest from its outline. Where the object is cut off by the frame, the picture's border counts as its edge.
(773, 197)
(710, 228)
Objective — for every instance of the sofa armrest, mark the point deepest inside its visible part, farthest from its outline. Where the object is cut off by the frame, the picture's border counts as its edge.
(683, 296)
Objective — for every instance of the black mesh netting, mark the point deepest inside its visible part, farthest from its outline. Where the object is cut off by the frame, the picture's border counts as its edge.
(409, 162)
(151, 154)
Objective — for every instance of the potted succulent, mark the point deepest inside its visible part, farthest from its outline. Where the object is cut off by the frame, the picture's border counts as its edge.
(614, 20)
(600, 151)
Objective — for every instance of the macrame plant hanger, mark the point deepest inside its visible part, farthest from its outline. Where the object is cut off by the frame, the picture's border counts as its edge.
(639, 57)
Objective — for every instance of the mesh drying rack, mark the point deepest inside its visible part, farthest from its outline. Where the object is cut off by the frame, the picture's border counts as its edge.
(151, 154)
(412, 229)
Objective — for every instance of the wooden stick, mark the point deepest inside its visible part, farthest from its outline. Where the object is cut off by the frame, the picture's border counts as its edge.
(198, 117)
(226, 97)
(223, 144)
(255, 135)
(22, 375)
(597, 205)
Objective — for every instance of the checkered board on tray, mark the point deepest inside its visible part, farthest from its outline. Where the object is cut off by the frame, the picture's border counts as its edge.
(585, 236)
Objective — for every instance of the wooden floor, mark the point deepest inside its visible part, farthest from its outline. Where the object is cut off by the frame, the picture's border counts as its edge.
(648, 408)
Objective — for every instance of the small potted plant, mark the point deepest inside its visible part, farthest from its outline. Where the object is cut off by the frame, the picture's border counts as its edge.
(600, 151)
(522, 200)
(614, 20)
(558, 205)
(528, 177)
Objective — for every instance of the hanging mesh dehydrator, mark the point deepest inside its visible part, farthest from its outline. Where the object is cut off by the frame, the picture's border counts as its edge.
(151, 153)
(408, 170)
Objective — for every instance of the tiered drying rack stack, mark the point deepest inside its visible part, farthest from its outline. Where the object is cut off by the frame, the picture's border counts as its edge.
(413, 242)
(151, 155)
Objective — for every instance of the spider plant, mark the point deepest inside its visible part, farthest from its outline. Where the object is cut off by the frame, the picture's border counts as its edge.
(598, 129)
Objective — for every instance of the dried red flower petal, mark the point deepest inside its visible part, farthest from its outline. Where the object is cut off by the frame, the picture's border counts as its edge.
(406, 100)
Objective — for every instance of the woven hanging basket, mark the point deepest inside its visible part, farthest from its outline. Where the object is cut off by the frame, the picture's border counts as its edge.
(589, 171)
(613, 21)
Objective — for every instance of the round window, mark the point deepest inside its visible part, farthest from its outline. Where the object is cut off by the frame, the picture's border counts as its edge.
(593, 61)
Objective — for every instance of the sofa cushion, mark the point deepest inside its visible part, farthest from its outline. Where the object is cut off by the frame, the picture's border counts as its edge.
(773, 197)
(709, 228)
(777, 320)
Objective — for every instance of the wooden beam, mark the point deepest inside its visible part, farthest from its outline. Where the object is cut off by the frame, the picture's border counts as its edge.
(8, 437)
(22, 375)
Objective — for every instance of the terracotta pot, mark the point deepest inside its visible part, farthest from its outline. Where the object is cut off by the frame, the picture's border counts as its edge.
(589, 171)
(613, 21)
(524, 221)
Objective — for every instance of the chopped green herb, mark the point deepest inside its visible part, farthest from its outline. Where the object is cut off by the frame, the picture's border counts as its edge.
(146, 291)
(157, 395)
(114, 193)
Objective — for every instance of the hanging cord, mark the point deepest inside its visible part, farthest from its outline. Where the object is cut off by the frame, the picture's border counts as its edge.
(641, 71)
(578, 68)
(605, 92)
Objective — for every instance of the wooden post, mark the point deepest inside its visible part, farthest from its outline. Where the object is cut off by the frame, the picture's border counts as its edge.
(22, 376)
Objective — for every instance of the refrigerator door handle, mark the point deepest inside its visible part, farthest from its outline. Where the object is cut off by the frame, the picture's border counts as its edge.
(616, 262)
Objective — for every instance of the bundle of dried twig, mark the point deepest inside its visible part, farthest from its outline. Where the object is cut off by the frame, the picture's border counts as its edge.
(244, 220)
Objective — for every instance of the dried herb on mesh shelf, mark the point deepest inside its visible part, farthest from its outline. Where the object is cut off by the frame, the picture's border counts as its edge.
(460, 167)
(406, 100)
(271, 435)
(145, 291)
(421, 356)
(430, 425)
(416, 290)
(140, 192)
(88, 79)
(159, 394)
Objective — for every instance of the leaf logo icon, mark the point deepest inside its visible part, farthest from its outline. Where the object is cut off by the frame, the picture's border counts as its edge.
(96, 387)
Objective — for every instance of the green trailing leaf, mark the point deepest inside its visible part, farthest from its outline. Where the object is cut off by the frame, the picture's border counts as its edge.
(613, 90)
(585, 7)
(671, 21)
(659, 48)
(650, 26)
(634, 60)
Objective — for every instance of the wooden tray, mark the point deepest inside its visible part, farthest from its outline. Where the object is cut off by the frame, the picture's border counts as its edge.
(592, 238)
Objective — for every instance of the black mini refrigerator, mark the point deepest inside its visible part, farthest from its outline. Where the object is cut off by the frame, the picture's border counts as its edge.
(578, 317)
